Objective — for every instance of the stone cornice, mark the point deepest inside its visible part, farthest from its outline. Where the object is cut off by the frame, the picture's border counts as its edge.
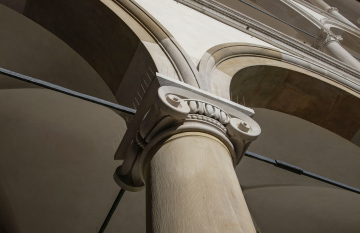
(268, 34)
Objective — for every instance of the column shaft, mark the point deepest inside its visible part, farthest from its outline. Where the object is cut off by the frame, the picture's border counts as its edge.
(340, 53)
(324, 6)
(341, 17)
(191, 186)
(321, 4)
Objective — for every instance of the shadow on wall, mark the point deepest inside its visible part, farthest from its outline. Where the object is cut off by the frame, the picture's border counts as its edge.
(299, 95)
(281, 201)
(96, 36)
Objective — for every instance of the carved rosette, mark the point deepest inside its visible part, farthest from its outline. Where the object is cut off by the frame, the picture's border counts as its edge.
(174, 113)
(325, 38)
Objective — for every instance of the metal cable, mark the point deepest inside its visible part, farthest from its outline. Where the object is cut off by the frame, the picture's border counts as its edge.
(67, 91)
(300, 171)
(277, 163)
(112, 210)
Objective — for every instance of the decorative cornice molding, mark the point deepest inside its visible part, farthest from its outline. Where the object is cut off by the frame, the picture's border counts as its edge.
(259, 30)
(332, 9)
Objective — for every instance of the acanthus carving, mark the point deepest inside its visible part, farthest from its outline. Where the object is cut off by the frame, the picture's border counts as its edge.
(332, 9)
(325, 38)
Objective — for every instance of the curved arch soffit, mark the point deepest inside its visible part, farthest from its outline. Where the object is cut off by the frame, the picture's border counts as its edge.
(180, 60)
(329, 23)
(221, 62)
(108, 34)
(301, 95)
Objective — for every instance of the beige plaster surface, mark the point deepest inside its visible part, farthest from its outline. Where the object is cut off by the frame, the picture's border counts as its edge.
(309, 11)
(28, 49)
(159, 57)
(281, 201)
(300, 95)
(93, 30)
(194, 31)
(222, 75)
(57, 161)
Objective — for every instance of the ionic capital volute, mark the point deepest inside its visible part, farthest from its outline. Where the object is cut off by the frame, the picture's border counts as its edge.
(175, 110)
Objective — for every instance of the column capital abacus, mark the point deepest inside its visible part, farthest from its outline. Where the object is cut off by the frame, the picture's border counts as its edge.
(176, 109)
(324, 38)
(332, 9)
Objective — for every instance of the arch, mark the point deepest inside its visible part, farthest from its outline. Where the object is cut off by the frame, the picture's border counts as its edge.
(298, 94)
(331, 23)
(218, 65)
(223, 63)
(350, 40)
(119, 39)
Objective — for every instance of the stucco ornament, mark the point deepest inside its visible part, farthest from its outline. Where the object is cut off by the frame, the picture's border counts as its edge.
(332, 9)
(326, 37)
(174, 111)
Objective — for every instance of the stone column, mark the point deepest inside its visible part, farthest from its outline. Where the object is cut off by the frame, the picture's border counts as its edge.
(332, 10)
(331, 42)
(185, 152)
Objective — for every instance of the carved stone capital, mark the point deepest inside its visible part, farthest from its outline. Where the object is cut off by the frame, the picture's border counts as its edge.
(325, 38)
(332, 9)
(176, 109)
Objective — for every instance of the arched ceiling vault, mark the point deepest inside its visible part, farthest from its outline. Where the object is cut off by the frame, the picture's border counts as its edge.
(93, 30)
(300, 95)
(257, 76)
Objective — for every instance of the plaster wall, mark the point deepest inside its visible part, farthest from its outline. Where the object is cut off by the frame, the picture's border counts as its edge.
(56, 156)
(281, 201)
(309, 11)
(56, 160)
(27, 48)
(158, 55)
(194, 31)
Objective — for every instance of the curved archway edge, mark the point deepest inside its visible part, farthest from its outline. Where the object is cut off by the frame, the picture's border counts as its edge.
(225, 52)
(220, 64)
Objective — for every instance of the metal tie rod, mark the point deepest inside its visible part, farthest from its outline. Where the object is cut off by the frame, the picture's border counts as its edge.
(66, 91)
(300, 171)
(131, 111)
(112, 210)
